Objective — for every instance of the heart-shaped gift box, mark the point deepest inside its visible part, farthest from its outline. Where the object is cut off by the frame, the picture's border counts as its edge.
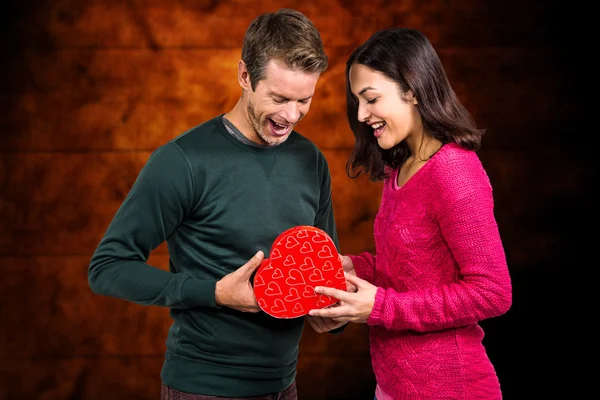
(301, 258)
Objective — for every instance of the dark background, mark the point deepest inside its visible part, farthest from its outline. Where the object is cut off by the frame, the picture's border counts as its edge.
(90, 88)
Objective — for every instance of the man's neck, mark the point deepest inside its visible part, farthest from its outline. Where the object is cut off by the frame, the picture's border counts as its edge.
(237, 116)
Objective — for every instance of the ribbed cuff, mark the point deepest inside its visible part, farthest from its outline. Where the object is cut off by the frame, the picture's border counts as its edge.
(378, 312)
(198, 293)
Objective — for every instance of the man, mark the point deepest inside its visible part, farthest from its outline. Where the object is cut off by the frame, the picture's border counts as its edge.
(219, 194)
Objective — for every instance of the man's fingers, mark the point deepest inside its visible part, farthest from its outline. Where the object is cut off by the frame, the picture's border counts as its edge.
(347, 264)
(338, 313)
(316, 324)
(351, 288)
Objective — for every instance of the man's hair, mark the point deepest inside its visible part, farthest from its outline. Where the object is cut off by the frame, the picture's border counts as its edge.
(287, 36)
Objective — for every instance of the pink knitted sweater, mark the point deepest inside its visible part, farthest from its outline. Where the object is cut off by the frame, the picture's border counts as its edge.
(440, 268)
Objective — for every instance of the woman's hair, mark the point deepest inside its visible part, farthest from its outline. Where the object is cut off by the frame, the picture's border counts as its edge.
(406, 57)
(286, 35)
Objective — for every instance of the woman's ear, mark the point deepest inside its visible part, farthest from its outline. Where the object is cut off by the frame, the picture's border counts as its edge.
(410, 96)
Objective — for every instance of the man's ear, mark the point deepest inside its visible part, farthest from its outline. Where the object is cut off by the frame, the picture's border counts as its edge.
(244, 76)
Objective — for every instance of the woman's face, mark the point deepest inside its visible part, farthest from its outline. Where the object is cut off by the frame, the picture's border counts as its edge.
(392, 116)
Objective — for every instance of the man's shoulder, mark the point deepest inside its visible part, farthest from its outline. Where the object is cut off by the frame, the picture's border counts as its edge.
(298, 140)
(197, 134)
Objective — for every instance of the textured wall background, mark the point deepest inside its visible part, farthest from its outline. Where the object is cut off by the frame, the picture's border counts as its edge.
(90, 88)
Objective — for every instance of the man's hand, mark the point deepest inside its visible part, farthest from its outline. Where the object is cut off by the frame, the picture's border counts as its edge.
(347, 264)
(234, 289)
(353, 307)
(321, 324)
(348, 267)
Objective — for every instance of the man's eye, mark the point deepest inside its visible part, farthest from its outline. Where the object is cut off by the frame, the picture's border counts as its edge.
(305, 101)
(280, 101)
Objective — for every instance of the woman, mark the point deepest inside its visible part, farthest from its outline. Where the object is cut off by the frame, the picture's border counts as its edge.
(440, 266)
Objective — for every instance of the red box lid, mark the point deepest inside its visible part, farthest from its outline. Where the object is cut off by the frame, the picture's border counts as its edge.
(301, 258)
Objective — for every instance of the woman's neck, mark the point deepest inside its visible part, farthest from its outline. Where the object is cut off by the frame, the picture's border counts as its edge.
(424, 148)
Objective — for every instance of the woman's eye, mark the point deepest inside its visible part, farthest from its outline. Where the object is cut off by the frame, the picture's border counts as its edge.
(372, 101)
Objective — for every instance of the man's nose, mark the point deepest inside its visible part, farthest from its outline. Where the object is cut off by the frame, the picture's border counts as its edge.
(292, 112)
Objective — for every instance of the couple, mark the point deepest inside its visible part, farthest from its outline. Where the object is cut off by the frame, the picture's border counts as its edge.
(220, 193)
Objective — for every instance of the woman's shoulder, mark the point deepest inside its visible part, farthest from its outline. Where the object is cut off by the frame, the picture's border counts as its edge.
(452, 158)
(455, 166)
(453, 151)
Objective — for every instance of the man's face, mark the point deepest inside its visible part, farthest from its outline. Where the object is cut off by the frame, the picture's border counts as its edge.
(280, 100)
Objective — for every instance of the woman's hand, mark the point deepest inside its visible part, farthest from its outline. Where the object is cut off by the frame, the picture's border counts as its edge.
(353, 307)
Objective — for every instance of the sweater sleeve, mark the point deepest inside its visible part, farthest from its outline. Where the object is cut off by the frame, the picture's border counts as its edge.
(159, 201)
(464, 210)
(364, 266)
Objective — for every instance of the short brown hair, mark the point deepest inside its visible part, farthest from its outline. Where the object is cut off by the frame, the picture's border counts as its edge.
(286, 35)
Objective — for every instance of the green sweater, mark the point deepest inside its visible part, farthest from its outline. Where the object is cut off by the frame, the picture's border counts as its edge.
(216, 201)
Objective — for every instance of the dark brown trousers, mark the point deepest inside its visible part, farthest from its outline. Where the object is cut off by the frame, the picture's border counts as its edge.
(167, 393)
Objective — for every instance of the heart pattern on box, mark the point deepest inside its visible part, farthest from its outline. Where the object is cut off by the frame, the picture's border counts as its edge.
(300, 259)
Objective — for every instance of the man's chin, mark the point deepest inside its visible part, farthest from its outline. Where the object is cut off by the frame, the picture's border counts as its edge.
(275, 140)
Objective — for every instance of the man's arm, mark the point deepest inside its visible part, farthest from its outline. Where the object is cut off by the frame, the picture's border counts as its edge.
(160, 199)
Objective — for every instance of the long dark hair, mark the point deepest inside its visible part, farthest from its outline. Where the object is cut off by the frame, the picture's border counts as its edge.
(407, 57)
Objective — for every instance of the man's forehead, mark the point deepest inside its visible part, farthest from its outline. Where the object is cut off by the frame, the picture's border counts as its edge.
(289, 94)
(282, 81)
